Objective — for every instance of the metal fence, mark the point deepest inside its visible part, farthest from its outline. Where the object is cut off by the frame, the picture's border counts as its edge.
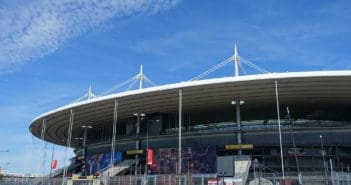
(159, 180)
(117, 180)
(307, 178)
(30, 181)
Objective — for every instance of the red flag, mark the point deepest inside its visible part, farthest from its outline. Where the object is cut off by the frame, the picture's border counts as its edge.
(150, 156)
(54, 164)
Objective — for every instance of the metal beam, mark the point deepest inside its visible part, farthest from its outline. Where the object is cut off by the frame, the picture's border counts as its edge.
(69, 134)
(114, 132)
(180, 131)
(280, 132)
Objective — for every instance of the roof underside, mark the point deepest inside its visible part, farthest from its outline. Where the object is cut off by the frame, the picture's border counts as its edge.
(257, 91)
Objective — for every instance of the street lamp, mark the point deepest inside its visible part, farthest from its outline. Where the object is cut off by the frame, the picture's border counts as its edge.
(147, 147)
(237, 104)
(85, 137)
(85, 127)
(139, 114)
(323, 157)
(233, 102)
(291, 123)
(137, 142)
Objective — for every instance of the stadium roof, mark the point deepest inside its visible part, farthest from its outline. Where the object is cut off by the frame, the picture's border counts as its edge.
(329, 87)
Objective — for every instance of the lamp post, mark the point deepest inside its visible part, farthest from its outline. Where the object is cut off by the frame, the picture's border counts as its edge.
(147, 149)
(137, 142)
(279, 128)
(237, 104)
(52, 159)
(85, 137)
(323, 157)
(293, 141)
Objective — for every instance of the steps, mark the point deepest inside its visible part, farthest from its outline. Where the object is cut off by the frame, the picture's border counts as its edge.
(242, 166)
(115, 170)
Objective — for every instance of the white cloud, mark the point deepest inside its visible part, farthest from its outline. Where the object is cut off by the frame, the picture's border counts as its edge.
(33, 29)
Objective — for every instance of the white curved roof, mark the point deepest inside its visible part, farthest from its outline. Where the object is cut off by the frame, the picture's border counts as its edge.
(294, 87)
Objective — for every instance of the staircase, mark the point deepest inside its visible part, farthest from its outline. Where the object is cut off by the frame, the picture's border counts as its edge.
(242, 165)
(115, 170)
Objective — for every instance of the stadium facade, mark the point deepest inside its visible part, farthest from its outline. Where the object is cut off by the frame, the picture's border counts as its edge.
(194, 122)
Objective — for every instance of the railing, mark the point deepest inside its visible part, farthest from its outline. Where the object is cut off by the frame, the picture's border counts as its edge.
(335, 178)
(255, 125)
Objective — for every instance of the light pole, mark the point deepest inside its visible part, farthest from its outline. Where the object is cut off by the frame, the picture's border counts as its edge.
(323, 157)
(147, 144)
(85, 137)
(237, 104)
(137, 142)
(279, 128)
(147, 151)
(52, 159)
(293, 141)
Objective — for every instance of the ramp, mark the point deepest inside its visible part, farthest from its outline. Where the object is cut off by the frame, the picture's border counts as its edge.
(116, 170)
(242, 166)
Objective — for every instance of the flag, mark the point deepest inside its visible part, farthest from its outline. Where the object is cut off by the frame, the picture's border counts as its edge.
(54, 164)
(150, 156)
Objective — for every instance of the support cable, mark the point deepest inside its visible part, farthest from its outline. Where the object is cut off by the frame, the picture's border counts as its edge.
(242, 68)
(119, 85)
(131, 85)
(238, 64)
(253, 66)
(89, 95)
(214, 68)
(151, 83)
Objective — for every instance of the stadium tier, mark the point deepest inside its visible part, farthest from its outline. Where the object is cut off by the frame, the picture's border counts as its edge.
(206, 119)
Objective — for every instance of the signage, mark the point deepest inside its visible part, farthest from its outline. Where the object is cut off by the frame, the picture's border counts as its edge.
(134, 152)
(54, 164)
(150, 156)
(239, 147)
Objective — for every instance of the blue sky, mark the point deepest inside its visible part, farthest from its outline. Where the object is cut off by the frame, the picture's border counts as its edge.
(50, 52)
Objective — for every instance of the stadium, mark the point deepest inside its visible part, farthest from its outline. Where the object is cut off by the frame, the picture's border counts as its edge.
(284, 124)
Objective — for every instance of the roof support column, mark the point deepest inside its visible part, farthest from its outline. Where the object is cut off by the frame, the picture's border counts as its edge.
(69, 137)
(280, 132)
(180, 94)
(51, 163)
(42, 137)
(114, 132)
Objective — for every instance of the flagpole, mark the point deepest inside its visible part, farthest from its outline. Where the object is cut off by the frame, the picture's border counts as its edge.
(52, 159)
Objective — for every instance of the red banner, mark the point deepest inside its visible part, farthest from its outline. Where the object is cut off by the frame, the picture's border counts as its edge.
(54, 164)
(150, 156)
